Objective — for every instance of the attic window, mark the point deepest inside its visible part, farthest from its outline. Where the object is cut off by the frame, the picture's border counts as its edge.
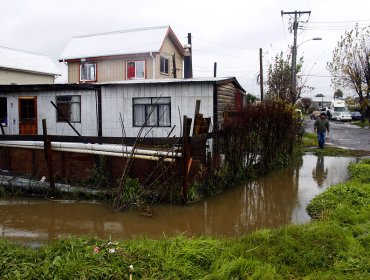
(164, 65)
(87, 72)
(135, 70)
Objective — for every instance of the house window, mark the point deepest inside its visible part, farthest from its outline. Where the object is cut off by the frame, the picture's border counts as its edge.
(69, 108)
(88, 72)
(164, 65)
(135, 70)
(152, 111)
(3, 111)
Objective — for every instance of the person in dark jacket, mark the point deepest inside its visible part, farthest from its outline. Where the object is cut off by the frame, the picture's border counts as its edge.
(321, 126)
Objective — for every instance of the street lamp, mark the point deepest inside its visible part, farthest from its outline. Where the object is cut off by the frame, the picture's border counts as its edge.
(294, 59)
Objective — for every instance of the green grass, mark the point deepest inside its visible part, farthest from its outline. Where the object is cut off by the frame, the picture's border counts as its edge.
(336, 245)
(360, 123)
(309, 140)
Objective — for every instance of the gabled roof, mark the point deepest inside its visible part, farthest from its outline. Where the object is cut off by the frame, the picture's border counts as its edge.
(29, 62)
(133, 41)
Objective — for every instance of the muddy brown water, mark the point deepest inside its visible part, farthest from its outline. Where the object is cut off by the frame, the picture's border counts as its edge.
(272, 201)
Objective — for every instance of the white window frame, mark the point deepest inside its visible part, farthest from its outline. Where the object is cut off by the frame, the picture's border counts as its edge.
(83, 67)
(165, 59)
(136, 73)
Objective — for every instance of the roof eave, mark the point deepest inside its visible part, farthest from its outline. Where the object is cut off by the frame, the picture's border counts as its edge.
(30, 71)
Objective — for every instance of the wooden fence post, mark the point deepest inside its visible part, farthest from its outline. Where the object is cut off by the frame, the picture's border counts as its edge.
(185, 158)
(48, 156)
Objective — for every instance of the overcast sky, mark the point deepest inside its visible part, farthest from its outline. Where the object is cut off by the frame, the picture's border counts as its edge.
(227, 32)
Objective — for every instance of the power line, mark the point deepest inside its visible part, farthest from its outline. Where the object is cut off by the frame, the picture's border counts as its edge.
(322, 76)
(222, 54)
(320, 22)
(223, 44)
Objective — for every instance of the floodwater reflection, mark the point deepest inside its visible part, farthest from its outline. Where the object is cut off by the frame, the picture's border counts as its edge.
(320, 172)
(275, 200)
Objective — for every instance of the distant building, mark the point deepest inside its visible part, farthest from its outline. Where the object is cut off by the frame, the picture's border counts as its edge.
(319, 102)
(136, 54)
(20, 67)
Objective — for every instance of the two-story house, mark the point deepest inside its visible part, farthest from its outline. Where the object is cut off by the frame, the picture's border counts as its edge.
(147, 53)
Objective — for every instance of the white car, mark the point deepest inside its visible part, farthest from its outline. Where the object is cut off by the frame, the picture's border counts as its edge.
(344, 116)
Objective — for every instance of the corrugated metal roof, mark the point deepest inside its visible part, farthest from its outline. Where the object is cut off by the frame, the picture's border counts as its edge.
(217, 80)
(43, 87)
(115, 43)
(25, 61)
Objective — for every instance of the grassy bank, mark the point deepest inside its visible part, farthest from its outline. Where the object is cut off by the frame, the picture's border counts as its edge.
(336, 245)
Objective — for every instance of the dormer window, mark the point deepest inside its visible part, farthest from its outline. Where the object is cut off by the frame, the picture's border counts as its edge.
(164, 65)
(88, 72)
(135, 70)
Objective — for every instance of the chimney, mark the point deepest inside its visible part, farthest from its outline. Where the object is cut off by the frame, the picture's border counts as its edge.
(187, 62)
(188, 59)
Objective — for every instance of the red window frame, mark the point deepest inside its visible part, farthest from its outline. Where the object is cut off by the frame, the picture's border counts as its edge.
(131, 69)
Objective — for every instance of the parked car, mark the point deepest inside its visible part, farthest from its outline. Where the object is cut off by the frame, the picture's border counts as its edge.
(343, 116)
(356, 115)
(315, 115)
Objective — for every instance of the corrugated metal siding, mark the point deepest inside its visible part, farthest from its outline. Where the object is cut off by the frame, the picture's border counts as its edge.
(73, 72)
(225, 100)
(111, 70)
(117, 100)
(8, 77)
(45, 110)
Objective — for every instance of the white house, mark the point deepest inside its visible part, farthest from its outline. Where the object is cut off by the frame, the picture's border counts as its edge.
(321, 102)
(108, 109)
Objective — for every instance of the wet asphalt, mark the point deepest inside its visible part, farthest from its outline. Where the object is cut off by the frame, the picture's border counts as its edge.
(344, 135)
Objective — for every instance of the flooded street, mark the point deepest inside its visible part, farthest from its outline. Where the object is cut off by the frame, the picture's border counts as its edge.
(275, 200)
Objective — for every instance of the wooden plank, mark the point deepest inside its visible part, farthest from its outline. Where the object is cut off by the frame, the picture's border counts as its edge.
(93, 139)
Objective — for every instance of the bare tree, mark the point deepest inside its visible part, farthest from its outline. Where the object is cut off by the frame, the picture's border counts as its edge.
(350, 64)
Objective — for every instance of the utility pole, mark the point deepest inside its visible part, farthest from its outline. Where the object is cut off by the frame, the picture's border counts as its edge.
(215, 69)
(261, 74)
(295, 15)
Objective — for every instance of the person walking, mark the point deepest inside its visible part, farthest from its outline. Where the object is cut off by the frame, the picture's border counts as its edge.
(321, 126)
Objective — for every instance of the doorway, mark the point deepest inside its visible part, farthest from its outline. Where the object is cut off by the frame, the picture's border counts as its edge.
(27, 115)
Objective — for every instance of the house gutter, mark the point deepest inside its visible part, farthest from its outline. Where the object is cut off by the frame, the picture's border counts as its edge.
(153, 65)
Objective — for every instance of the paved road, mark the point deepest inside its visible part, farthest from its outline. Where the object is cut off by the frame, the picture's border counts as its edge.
(345, 135)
